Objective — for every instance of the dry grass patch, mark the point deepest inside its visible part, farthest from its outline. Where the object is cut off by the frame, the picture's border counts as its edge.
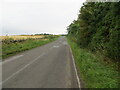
(19, 37)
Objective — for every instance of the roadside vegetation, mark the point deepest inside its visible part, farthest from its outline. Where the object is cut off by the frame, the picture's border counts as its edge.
(15, 44)
(94, 72)
(95, 41)
(98, 28)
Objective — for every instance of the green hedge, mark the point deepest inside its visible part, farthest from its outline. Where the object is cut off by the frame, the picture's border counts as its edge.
(98, 28)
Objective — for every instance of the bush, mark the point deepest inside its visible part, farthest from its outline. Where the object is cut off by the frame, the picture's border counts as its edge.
(97, 28)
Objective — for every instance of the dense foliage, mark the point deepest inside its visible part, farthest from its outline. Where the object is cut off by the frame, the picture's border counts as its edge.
(98, 28)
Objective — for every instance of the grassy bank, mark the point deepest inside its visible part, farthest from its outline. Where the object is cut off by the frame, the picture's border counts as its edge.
(94, 72)
(14, 48)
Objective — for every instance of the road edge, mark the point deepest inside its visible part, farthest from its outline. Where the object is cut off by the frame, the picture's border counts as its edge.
(76, 72)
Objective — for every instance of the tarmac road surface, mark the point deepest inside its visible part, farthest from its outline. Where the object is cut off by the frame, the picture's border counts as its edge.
(47, 66)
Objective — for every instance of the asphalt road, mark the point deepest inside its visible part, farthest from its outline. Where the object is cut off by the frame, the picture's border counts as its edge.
(48, 66)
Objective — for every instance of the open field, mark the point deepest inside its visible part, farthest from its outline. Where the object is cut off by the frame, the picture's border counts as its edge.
(12, 45)
(19, 37)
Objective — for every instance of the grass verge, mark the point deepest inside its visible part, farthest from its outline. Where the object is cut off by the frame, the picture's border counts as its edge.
(94, 72)
(14, 48)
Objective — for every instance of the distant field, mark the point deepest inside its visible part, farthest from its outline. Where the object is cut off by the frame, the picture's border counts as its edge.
(12, 45)
(19, 37)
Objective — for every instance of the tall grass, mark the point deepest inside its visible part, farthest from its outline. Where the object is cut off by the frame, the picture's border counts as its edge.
(94, 72)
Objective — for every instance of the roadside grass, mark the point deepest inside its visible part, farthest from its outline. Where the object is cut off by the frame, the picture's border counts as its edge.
(14, 48)
(94, 72)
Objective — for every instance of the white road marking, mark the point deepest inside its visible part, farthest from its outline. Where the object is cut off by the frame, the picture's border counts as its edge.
(12, 59)
(22, 69)
(55, 46)
(75, 69)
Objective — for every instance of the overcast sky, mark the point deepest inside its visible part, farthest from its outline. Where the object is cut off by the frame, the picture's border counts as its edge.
(38, 16)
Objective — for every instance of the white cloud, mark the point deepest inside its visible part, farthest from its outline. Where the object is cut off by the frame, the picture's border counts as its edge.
(0, 18)
(20, 16)
(31, 1)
